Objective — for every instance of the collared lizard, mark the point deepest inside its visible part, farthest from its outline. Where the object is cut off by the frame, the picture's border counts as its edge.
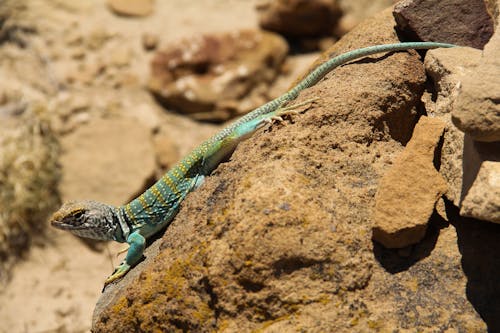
(154, 209)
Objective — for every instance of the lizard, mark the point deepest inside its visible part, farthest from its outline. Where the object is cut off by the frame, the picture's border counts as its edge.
(153, 210)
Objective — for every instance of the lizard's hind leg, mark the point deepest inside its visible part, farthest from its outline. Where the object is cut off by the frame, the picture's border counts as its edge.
(288, 110)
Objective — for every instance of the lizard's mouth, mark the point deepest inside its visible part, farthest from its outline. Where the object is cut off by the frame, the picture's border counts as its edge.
(66, 226)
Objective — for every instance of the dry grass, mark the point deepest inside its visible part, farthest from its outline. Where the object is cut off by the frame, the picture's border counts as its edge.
(28, 178)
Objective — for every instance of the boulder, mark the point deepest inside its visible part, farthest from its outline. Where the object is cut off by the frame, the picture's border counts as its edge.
(219, 76)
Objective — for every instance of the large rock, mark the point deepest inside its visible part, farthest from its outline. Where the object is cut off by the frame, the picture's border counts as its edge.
(279, 238)
(413, 183)
(477, 109)
(217, 77)
(465, 23)
(468, 91)
(93, 153)
(447, 68)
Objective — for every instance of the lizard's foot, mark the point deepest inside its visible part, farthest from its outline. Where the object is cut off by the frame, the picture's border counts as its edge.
(290, 109)
(119, 272)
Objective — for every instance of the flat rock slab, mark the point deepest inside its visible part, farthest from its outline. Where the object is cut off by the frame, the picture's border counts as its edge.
(408, 192)
(93, 153)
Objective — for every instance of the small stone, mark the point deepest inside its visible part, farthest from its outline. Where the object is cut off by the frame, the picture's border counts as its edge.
(149, 41)
(121, 57)
(408, 192)
(131, 7)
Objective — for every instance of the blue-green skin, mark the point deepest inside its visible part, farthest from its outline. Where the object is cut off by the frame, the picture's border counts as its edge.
(158, 205)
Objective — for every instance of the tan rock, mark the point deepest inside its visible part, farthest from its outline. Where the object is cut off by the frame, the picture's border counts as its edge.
(482, 201)
(101, 163)
(149, 41)
(447, 68)
(131, 7)
(217, 77)
(477, 109)
(480, 183)
(408, 192)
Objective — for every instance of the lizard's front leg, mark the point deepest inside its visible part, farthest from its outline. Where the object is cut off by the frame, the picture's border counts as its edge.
(137, 243)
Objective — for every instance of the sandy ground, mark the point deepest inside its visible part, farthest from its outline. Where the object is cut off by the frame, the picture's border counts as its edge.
(55, 288)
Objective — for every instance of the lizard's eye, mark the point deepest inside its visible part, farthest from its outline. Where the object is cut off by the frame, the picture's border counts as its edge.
(78, 215)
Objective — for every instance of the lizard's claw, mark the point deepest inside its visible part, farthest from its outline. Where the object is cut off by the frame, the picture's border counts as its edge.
(119, 272)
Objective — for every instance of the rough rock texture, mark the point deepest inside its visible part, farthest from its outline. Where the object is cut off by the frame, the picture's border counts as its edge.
(131, 7)
(101, 145)
(217, 77)
(28, 177)
(461, 156)
(465, 23)
(299, 18)
(477, 108)
(481, 173)
(468, 90)
(483, 199)
(278, 239)
(413, 183)
(447, 68)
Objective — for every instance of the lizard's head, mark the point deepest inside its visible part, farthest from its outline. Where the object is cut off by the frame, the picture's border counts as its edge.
(88, 219)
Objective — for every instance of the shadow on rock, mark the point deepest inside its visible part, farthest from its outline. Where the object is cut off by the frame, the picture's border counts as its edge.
(479, 244)
(398, 260)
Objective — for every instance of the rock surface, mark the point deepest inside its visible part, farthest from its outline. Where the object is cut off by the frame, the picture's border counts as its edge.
(413, 183)
(447, 68)
(477, 108)
(102, 148)
(299, 18)
(468, 92)
(279, 238)
(483, 198)
(465, 23)
(217, 77)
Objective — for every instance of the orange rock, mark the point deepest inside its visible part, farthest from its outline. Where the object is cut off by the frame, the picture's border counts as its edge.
(408, 192)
